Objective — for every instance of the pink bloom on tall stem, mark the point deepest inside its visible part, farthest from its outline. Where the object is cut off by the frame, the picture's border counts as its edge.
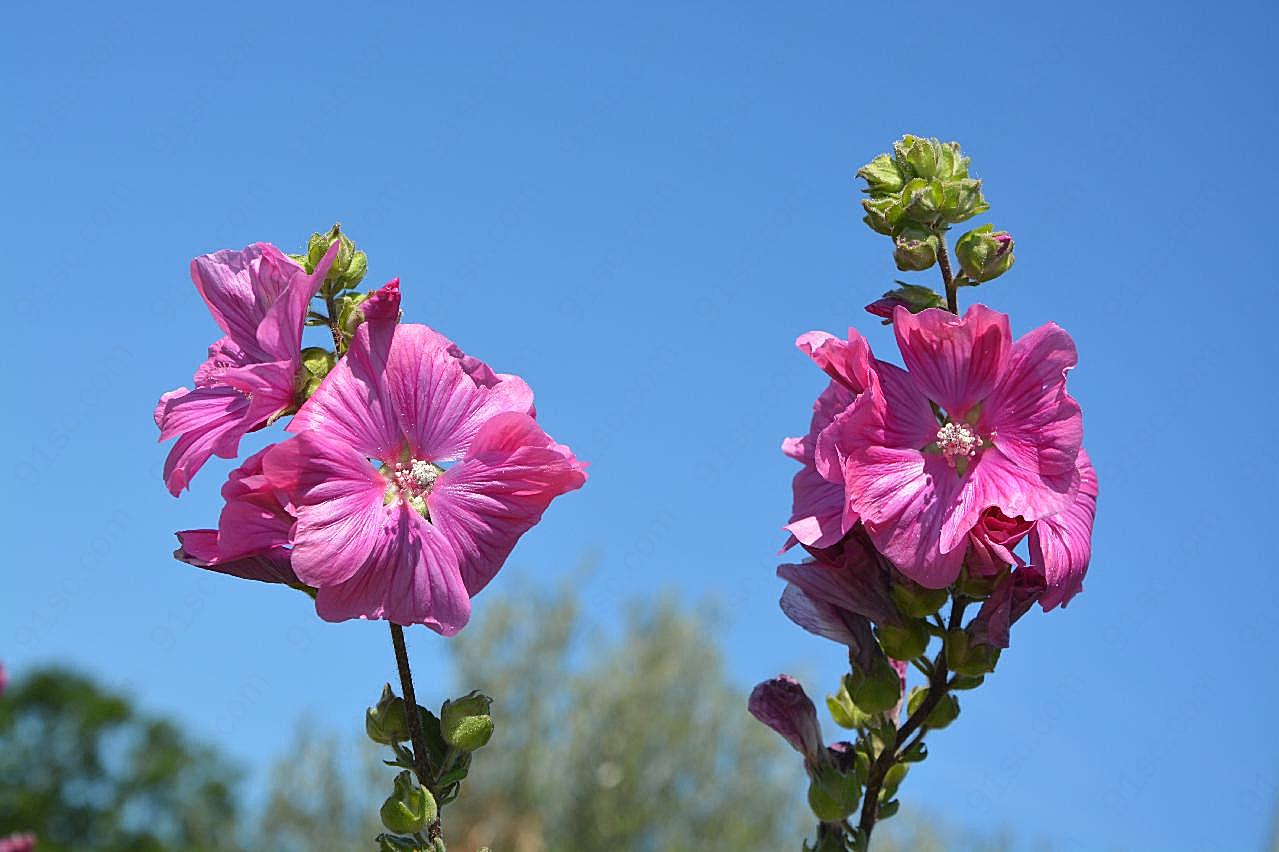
(820, 515)
(259, 298)
(385, 529)
(975, 421)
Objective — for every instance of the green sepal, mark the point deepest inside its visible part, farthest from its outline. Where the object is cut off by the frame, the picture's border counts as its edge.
(882, 176)
(916, 753)
(892, 780)
(409, 808)
(876, 691)
(465, 722)
(904, 642)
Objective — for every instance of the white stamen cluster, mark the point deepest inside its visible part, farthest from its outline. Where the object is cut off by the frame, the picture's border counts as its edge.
(957, 440)
(415, 476)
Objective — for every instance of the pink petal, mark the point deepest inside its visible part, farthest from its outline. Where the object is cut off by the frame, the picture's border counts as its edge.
(995, 480)
(338, 499)
(1061, 545)
(279, 334)
(782, 705)
(440, 404)
(904, 498)
(410, 577)
(254, 519)
(956, 361)
(483, 504)
(384, 304)
(200, 548)
(224, 354)
(991, 542)
(1012, 598)
(817, 519)
(856, 585)
(209, 421)
(845, 361)
(1029, 415)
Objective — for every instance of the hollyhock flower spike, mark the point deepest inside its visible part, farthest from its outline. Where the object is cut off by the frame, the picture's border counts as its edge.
(386, 529)
(259, 298)
(975, 421)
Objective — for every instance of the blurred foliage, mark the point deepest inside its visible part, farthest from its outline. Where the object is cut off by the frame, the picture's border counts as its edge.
(84, 769)
(635, 741)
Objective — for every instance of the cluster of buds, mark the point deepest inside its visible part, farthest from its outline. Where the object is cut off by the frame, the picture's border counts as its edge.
(432, 767)
(348, 267)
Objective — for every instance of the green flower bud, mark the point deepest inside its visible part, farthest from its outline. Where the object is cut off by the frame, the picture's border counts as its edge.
(833, 795)
(349, 314)
(962, 200)
(967, 658)
(916, 248)
(410, 808)
(882, 214)
(946, 711)
(951, 163)
(921, 200)
(912, 599)
(466, 723)
(388, 721)
(921, 155)
(882, 176)
(904, 642)
(876, 691)
(349, 266)
(985, 253)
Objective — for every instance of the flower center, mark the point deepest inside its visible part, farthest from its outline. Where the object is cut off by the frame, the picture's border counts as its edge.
(412, 480)
(957, 441)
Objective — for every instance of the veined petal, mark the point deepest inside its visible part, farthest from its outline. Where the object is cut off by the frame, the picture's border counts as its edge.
(1061, 545)
(845, 361)
(483, 504)
(955, 360)
(1012, 598)
(254, 519)
(338, 499)
(228, 282)
(410, 577)
(995, 480)
(1029, 415)
(817, 519)
(224, 355)
(440, 403)
(279, 334)
(904, 498)
(208, 421)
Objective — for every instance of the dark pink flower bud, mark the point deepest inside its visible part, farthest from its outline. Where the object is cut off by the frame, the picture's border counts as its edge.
(992, 541)
(1012, 598)
(782, 705)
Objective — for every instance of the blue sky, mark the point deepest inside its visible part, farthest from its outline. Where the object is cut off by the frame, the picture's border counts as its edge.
(638, 209)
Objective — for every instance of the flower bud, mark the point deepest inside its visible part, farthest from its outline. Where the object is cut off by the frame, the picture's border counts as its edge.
(466, 723)
(951, 163)
(905, 641)
(916, 248)
(782, 704)
(349, 266)
(912, 297)
(876, 691)
(946, 711)
(882, 214)
(962, 200)
(966, 658)
(985, 253)
(388, 721)
(833, 795)
(882, 176)
(922, 200)
(410, 808)
(915, 601)
(920, 154)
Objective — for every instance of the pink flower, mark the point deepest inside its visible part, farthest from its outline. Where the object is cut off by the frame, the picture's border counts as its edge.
(259, 298)
(782, 705)
(4, 679)
(1013, 596)
(252, 538)
(18, 843)
(820, 515)
(992, 540)
(406, 538)
(976, 421)
(1061, 545)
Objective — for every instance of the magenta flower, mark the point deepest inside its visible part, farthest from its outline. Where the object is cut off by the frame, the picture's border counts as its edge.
(24, 842)
(782, 705)
(252, 539)
(1012, 597)
(976, 421)
(820, 515)
(1061, 545)
(259, 297)
(385, 528)
(992, 540)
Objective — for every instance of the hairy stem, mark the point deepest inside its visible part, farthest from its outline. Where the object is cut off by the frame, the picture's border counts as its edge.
(410, 701)
(947, 277)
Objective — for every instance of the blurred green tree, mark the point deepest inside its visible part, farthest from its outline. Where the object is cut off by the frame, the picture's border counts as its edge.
(81, 767)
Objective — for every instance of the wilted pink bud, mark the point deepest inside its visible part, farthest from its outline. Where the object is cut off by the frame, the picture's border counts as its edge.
(383, 303)
(18, 843)
(782, 704)
(884, 307)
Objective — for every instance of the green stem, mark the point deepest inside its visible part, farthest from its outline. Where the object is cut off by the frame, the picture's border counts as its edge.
(410, 702)
(947, 277)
